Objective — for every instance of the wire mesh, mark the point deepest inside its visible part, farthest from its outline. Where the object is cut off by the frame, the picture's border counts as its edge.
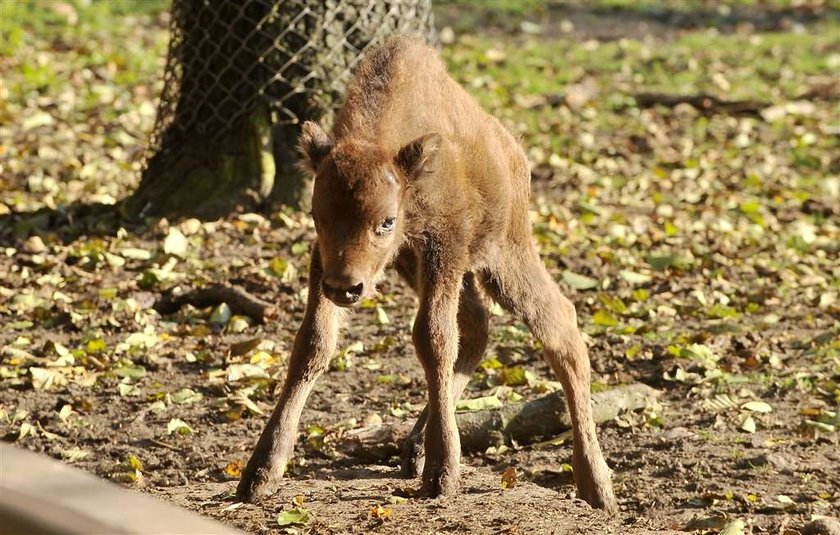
(294, 57)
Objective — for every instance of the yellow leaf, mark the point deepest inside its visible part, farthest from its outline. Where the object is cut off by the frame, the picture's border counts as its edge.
(133, 462)
(382, 513)
(736, 527)
(382, 316)
(477, 404)
(234, 468)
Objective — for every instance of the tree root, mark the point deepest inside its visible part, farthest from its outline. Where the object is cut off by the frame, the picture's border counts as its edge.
(542, 418)
(239, 301)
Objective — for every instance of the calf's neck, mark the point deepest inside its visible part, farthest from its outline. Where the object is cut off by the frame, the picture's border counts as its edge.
(416, 175)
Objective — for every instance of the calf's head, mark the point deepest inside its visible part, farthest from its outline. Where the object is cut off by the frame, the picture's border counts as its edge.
(359, 206)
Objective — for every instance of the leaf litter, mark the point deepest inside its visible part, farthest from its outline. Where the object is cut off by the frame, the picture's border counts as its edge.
(699, 249)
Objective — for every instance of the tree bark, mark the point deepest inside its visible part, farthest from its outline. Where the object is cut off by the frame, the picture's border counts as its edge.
(215, 144)
(199, 176)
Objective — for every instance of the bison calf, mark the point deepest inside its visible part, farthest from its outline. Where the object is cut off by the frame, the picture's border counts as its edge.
(417, 175)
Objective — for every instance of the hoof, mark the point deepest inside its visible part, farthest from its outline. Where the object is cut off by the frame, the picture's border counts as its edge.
(594, 485)
(601, 498)
(440, 481)
(259, 482)
(413, 457)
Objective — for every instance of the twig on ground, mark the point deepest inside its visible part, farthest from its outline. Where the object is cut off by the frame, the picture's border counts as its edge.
(164, 444)
(702, 102)
(239, 301)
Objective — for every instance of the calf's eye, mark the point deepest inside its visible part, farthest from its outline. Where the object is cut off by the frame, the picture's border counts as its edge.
(386, 227)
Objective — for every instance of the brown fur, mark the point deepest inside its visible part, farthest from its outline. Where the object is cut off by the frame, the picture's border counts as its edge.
(411, 146)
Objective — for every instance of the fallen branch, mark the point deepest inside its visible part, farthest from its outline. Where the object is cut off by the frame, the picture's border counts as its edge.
(239, 301)
(827, 90)
(542, 418)
(702, 102)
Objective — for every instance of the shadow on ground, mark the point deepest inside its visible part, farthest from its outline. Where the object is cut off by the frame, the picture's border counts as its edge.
(64, 224)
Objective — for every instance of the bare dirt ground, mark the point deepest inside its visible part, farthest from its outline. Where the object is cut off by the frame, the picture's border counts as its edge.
(696, 470)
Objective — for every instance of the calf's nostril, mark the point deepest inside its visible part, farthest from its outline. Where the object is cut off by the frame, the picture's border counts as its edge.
(355, 292)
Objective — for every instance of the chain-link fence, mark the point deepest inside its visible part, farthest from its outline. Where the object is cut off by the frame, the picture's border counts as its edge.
(227, 57)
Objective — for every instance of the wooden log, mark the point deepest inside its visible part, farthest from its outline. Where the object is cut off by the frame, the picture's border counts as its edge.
(523, 423)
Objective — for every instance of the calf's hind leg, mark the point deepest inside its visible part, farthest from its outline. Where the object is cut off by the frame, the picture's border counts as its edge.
(522, 285)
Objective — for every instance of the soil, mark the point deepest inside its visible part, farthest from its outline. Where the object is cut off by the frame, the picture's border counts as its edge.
(692, 472)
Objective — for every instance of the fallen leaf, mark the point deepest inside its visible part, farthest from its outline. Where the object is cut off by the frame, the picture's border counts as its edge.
(26, 429)
(221, 315)
(175, 243)
(133, 462)
(65, 412)
(748, 425)
(736, 527)
(513, 376)
(477, 404)
(237, 372)
(234, 468)
(74, 454)
(381, 513)
(578, 281)
(241, 348)
(176, 425)
(509, 478)
(130, 372)
(381, 316)
(604, 318)
(634, 278)
(134, 253)
(757, 406)
(295, 516)
(47, 378)
(185, 396)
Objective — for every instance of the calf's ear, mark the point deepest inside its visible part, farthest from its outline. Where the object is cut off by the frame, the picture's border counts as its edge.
(418, 157)
(314, 144)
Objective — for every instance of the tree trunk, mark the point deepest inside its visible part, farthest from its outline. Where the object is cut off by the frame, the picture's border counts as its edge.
(241, 77)
(215, 135)
(206, 178)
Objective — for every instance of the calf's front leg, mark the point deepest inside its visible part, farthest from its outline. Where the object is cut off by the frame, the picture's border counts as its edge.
(473, 333)
(436, 342)
(314, 346)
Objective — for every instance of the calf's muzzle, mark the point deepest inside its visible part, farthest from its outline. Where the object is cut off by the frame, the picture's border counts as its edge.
(343, 292)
